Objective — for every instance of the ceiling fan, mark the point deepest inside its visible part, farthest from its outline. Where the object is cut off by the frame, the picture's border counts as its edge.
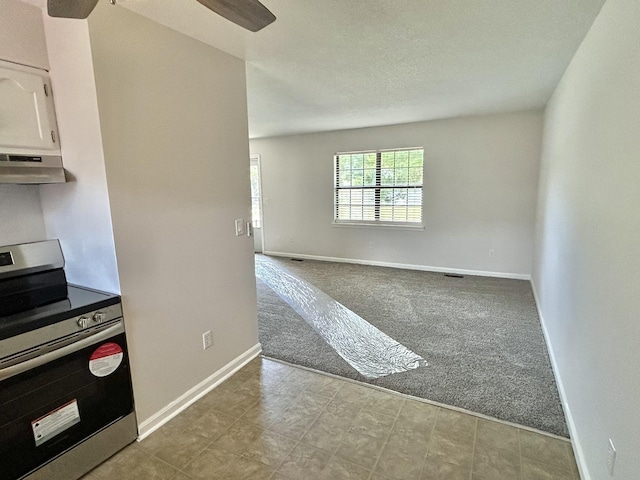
(249, 14)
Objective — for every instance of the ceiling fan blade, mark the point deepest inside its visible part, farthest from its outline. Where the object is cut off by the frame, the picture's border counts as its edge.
(249, 14)
(70, 8)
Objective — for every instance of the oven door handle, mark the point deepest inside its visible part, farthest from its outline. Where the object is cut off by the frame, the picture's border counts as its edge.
(32, 363)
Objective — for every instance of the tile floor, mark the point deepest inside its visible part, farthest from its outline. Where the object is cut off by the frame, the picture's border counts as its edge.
(273, 421)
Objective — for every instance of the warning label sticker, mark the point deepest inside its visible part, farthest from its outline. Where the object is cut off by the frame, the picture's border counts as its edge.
(106, 359)
(55, 422)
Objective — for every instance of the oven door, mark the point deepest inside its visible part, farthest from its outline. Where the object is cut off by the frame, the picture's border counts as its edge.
(53, 402)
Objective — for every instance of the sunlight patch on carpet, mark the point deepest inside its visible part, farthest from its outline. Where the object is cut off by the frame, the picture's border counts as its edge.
(371, 352)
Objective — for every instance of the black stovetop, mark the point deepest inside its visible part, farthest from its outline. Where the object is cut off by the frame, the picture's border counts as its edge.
(79, 301)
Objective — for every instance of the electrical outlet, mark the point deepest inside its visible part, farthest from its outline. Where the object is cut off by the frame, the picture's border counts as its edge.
(492, 253)
(611, 457)
(207, 340)
(371, 245)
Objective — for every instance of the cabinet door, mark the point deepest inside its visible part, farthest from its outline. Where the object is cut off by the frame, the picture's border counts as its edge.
(26, 110)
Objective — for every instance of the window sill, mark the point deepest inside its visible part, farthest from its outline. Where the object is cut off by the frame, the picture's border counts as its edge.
(388, 226)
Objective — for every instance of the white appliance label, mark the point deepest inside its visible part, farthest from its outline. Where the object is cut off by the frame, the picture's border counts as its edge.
(62, 418)
(106, 359)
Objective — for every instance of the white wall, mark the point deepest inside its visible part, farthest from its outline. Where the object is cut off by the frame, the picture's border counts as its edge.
(173, 114)
(587, 267)
(78, 212)
(480, 192)
(22, 41)
(22, 38)
(20, 215)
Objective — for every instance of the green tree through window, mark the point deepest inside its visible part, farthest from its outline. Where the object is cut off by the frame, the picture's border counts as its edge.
(383, 186)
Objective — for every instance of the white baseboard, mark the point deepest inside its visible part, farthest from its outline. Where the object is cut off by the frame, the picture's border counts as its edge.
(406, 266)
(575, 440)
(150, 425)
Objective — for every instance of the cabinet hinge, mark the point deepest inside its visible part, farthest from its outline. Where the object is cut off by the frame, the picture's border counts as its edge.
(53, 136)
(46, 90)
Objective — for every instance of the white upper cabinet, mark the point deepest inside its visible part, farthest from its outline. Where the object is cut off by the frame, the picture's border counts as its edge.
(27, 116)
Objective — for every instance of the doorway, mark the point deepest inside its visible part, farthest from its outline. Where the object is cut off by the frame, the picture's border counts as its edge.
(256, 203)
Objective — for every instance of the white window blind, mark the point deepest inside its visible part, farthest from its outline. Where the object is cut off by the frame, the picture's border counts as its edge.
(383, 186)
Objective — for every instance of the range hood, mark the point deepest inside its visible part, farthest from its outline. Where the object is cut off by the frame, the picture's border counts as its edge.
(31, 169)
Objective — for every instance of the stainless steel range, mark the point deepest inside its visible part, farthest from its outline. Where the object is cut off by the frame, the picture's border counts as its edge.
(66, 401)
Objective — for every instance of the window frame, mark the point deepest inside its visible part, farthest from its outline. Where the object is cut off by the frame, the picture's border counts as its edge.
(377, 223)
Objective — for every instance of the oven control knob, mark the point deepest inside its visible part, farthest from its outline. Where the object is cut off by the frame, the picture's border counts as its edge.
(83, 322)
(98, 317)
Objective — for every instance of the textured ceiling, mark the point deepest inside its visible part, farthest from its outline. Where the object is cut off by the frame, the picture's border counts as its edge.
(335, 64)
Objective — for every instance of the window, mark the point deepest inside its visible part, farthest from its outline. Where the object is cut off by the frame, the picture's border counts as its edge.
(379, 187)
(256, 214)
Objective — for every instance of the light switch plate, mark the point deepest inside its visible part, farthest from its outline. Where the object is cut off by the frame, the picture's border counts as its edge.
(207, 339)
(239, 227)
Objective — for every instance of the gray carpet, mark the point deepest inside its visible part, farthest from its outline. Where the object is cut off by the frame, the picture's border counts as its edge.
(481, 337)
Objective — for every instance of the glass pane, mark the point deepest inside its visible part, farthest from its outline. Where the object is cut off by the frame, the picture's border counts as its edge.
(386, 176)
(415, 196)
(402, 159)
(416, 158)
(414, 214)
(369, 197)
(345, 162)
(386, 213)
(344, 197)
(387, 159)
(400, 214)
(255, 195)
(369, 177)
(400, 196)
(345, 178)
(368, 213)
(369, 160)
(254, 181)
(357, 179)
(255, 211)
(386, 196)
(402, 176)
(357, 160)
(343, 212)
(415, 176)
(356, 197)
(356, 213)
